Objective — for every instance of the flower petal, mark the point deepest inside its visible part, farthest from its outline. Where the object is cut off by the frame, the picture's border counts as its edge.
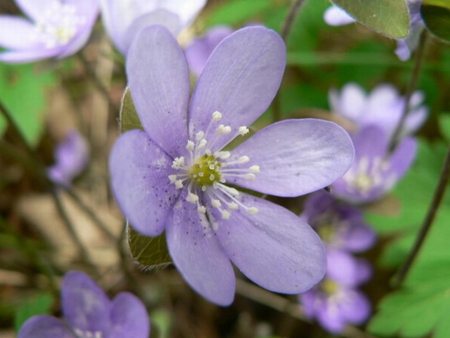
(139, 175)
(240, 80)
(25, 56)
(35, 9)
(129, 317)
(334, 16)
(85, 305)
(44, 326)
(198, 256)
(350, 103)
(356, 307)
(274, 248)
(403, 157)
(159, 84)
(17, 33)
(295, 157)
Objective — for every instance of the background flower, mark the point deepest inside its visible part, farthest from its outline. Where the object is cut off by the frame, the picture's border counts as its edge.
(89, 313)
(55, 29)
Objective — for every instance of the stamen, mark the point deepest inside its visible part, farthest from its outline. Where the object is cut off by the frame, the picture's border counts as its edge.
(190, 145)
(216, 203)
(254, 169)
(223, 130)
(225, 214)
(178, 163)
(179, 184)
(243, 130)
(216, 116)
(199, 135)
(252, 210)
(192, 198)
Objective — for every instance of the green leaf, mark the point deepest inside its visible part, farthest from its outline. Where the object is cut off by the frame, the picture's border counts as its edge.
(23, 92)
(436, 16)
(444, 123)
(150, 252)
(421, 306)
(234, 12)
(37, 306)
(388, 17)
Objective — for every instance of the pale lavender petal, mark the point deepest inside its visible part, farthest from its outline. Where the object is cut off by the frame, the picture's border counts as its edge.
(198, 255)
(35, 9)
(198, 52)
(240, 80)
(403, 157)
(342, 267)
(296, 157)
(129, 317)
(17, 33)
(308, 301)
(44, 326)
(355, 307)
(25, 56)
(159, 17)
(370, 141)
(330, 318)
(406, 46)
(359, 236)
(186, 10)
(139, 175)
(364, 271)
(85, 305)
(350, 103)
(159, 84)
(334, 16)
(274, 247)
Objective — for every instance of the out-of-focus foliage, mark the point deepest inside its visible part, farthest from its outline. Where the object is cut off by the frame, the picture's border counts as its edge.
(389, 17)
(23, 90)
(40, 305)
(436, 15)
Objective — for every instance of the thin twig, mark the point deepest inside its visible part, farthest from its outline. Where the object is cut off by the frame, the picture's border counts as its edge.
(429, 218)
(419, 57)
(286, 28)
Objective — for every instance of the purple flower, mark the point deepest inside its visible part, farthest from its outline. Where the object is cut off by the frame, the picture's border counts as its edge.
(339, 225)
(383, 107)
(71, 158)
(124, 18)
(374, 172)
(198, 52)
(335, 16)
(176, 176)
(336, 301)
(88, 313)
(56, 29)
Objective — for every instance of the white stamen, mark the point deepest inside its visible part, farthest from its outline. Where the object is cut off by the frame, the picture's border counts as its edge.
(252, 210)
(173, 178)
(250, 177)
(223, 130)
(243, 159)
(223, 155)
(216, 116)
(254, 169)
(178, 184)
(178, 163)
(243, 130)
(192, 198)
(202, 144)
(225, 214)
(233, 206)
(199, 135)
(216, 203)
(201, 209)
(190, 145)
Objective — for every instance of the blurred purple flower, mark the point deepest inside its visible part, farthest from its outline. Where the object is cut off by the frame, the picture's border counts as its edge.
(175, 176)
(335, 16)
(374, 172)
(56, 29)
(71, 158)
(383, 107)
(336, 301)
(89, 313)
(124, 18)
(198, 52)
(339, 225)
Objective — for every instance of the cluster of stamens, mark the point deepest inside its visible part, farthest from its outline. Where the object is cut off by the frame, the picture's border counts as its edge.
(58, 25)
(88, 334)
(207, 171)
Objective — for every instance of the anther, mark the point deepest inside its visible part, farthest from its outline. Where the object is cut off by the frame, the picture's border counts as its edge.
(199, 135)
(252, 210)
(217, 116)
(178, 184)
(243, 130)
(254, 169)
(225, 214)
(190, 145)
(216, 203)
(192, 198)
(223, 130)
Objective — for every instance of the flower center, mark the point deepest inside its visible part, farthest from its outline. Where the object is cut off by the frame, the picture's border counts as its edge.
(329, 286)
(206, 171)
(88, 334)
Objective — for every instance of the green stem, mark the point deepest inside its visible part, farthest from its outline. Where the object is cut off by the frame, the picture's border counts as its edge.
(429, 218)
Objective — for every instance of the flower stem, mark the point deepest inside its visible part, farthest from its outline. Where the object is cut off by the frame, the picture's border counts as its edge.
(412, 85)
(286, 28)
(429, 218)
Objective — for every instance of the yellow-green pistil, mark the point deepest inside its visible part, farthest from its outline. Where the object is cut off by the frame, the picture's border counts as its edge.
(205, 171)
(329, 286)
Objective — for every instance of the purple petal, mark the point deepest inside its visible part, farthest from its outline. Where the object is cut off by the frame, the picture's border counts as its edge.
(198, 256)
(296, 157)
(330, 318)
(25, 56)
(359, 236)
(308, 300)
(199, 51)
(240, 80)
(85, 305)
(159, 84)
(334, 16)
(403, 157)
(44, 326)
(139, 175)
(159, 17)
(274, 247)
(355, 307)
(129, 317)
(35, 9)
(350, 103)
(17, 33)
(342, 267)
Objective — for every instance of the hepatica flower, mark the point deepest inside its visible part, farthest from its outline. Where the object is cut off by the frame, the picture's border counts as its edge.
(375, 171)
(55, 28)
(71, 158)
(88, 313)
(335, 16)
(341, 226)
(178, 176)
(124, 18)
(382, 107)
(336, 300)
